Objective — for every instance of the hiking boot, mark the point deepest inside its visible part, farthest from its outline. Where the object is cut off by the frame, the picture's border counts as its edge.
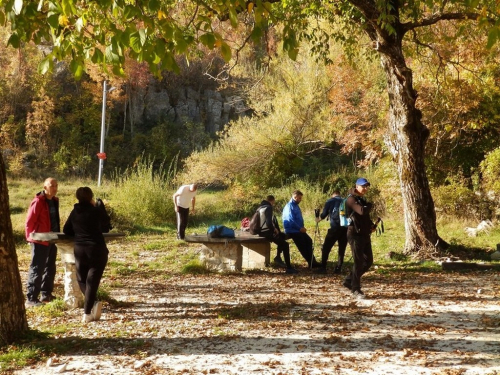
(278, 261)
(87, 318)
(96, 310)
(291, 271)
(337, 270)
(347, 284)
(35, 303)
(47, 298)
(358, 294)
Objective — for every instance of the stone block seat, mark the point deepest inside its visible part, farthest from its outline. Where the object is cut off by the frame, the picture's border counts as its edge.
(244, 251)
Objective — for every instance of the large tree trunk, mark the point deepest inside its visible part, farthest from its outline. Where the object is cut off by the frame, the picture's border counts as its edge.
(406, 140)
(13, 321)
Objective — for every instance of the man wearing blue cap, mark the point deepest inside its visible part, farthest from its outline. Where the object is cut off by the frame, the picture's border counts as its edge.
(359, 236)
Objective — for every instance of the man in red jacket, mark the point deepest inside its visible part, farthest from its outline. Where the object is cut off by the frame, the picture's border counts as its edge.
(43, 216)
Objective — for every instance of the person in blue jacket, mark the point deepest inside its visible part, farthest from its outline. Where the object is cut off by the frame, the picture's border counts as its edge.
(293, 223)
(335, 233)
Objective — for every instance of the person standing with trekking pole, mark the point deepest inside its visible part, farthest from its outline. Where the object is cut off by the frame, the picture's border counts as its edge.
(335, 233)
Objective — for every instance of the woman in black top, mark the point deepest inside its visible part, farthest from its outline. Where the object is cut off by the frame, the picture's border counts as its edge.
(86, 223)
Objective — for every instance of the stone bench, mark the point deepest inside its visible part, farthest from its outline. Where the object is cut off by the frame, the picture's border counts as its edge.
(245, 251)
(73, 296)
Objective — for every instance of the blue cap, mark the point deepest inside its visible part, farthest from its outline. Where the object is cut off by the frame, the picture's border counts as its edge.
(362, 181)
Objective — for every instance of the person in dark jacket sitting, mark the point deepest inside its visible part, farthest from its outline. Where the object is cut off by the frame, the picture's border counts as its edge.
(86, 223)
(359, 235)
(335, 233)
(270, 229)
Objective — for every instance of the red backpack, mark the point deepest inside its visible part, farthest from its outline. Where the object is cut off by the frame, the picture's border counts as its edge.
(245, 224)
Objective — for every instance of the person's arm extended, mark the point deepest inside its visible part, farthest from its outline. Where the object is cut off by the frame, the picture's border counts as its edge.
(193, 201)
(325, 213)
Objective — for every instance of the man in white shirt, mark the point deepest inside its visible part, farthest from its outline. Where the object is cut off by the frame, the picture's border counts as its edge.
(184, 197)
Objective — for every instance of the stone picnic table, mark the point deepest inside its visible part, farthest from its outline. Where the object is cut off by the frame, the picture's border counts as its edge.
(244, 251)
(73, 296)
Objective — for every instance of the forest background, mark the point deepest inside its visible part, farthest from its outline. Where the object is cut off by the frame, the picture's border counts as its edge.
(296, 121)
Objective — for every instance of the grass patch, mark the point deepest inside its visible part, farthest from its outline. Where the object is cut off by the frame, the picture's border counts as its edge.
(19, 356)
(53, 309)
(35, 346)
(155, 245)
(195, 267)
(121, 268)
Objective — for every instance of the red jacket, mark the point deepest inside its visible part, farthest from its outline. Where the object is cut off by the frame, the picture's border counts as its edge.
(38, 219)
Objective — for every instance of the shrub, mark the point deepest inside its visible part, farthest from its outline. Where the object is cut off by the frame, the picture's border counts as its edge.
(142, 195)
(489, 169)
(455, 199)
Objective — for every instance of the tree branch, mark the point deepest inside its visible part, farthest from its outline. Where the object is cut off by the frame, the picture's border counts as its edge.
(435, 18)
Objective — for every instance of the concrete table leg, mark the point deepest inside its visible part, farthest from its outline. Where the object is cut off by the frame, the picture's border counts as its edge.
(222, 256)
(256, 255)
(73, 296)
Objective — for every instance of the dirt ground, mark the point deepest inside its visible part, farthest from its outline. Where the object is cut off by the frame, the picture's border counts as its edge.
(271, 323)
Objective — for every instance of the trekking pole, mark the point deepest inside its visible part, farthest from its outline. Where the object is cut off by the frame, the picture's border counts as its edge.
(316, 233)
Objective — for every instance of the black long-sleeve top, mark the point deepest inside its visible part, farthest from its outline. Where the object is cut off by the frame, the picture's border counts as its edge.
(86, 223)
(359, 209)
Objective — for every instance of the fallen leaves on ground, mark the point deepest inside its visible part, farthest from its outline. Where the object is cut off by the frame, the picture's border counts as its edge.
(272, 323)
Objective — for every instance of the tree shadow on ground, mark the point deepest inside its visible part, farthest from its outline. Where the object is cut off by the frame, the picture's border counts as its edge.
(469, 253)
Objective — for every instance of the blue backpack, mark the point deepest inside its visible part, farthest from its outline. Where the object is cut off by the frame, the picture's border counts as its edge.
(220, 231)
(344, 216)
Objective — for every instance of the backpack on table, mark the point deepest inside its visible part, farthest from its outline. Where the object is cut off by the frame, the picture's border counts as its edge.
(220, 231)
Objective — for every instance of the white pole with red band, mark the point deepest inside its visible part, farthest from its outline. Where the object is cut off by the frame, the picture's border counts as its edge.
(101, 154)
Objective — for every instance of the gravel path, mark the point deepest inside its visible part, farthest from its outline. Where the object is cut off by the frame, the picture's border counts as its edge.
(271, 323)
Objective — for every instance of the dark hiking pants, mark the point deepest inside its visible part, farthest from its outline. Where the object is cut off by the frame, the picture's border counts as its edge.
(42, 271)
(361, 247)
(90, 262)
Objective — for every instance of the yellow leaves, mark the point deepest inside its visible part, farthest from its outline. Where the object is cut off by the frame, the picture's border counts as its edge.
(250, 7)
(63, 20)
(161, 15)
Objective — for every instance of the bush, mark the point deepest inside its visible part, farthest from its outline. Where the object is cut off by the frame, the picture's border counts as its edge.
(142, 195)
(459, 201)
(489, 169)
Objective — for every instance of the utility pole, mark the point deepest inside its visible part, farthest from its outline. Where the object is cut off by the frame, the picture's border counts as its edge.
(102, 155)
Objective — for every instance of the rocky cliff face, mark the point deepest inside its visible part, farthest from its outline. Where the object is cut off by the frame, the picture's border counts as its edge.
(212, 108)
